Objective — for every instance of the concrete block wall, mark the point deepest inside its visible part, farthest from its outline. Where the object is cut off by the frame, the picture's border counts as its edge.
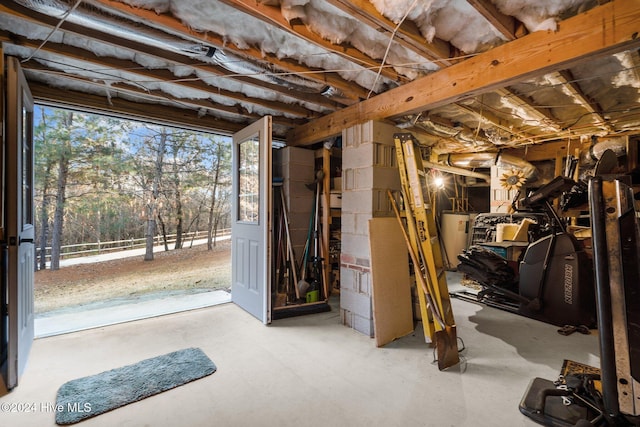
(369, 168)
(295, 166)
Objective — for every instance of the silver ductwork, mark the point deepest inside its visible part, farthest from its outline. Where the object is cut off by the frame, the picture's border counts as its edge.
(458, 133)
(114, 23)
(456, 171)
(487, 160)
(236, 65)
(589, 158)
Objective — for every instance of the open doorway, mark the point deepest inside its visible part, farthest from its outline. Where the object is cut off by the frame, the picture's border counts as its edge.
(127, 213)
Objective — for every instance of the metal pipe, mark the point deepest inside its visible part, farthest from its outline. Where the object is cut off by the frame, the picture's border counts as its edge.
(487, 159)
(456, 171)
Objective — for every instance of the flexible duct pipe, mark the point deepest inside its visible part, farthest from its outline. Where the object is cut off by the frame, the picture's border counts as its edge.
(486, 160)
(456, 171)
(114, 23)
(598, 146)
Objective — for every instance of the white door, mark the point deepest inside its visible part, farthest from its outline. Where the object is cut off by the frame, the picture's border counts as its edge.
(18, 229)
(251, 220)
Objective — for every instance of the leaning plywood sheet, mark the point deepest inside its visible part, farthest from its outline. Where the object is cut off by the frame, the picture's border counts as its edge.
(390, 283)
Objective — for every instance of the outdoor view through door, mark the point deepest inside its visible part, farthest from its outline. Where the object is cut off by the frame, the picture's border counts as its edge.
(132, 219)
(86, 194)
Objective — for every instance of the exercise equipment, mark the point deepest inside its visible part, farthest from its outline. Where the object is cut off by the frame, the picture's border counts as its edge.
(555, 275)
(611, 395)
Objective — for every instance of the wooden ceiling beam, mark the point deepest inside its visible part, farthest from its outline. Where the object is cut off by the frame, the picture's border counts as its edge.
(272, 16)
(543, 115)
(603, 30)
(349, 89)
(408, 35)
(159, 75)
(505, 24)
(126, 109)
(511, 29)
(182, 60)
(568, 81)
(493, 120)
(172, 25)
(151, 96)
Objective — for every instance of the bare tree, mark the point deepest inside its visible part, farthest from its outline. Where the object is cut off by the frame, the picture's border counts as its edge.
(61, 193)
(152, 204)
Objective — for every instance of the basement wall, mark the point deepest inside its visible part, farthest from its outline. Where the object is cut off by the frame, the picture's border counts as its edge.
(369, 168)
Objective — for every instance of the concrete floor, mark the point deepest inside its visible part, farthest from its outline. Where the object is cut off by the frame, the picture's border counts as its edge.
(308, 371)
(106, 313)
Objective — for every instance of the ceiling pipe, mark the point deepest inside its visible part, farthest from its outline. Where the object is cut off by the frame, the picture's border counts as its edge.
(590, 156)
(456, 171)
(115, 24)
(487, 160)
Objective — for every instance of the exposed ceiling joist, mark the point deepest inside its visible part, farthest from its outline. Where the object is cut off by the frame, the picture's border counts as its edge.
(601, 31)
(272, 15)
(543, 115)
(502, 22)
(566, 78)
(144, 73)
(170, 57)
(167, 21)
(408, 34)
(348, 88)
(488, 117)
(115, 89)
(238, 59)
(127, 109)
(506, 25)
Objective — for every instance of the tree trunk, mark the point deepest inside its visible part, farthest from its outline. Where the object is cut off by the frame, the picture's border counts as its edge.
(163, 230)
(212, 207)
(44, 220)
(151, 231)
(155, 191)
(61, 196)
(180, 221)
(58, 217)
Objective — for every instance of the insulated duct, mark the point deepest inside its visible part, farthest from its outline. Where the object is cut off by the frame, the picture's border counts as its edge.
(459, 133)
(486, 160)
(112, 22)
(236, 65)
(589, 158)
(456, 171)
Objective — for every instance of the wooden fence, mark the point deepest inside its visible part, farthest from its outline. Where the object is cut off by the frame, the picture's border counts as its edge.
(95, 248)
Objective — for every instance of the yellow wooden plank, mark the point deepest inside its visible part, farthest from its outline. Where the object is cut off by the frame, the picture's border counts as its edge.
(604, 30)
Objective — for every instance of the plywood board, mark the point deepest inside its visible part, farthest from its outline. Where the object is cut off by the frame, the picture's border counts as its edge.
(390, 282)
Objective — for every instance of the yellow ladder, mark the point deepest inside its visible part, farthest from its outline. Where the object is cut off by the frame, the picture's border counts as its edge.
(424, 246)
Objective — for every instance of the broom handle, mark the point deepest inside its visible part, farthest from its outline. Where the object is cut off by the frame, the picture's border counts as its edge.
(290, 246)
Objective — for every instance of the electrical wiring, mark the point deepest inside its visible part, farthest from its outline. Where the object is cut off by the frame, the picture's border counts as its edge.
(386, 53)
(64, 18)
